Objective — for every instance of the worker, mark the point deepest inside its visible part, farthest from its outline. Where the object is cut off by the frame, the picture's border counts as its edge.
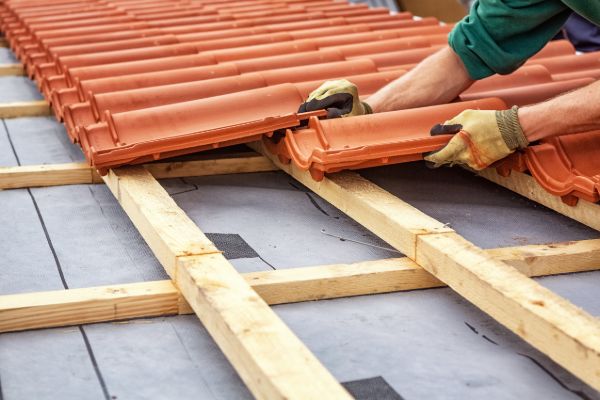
(584, 35)
(497, 36)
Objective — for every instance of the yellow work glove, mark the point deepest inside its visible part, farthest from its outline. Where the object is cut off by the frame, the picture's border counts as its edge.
(338, 97)
(481, 138)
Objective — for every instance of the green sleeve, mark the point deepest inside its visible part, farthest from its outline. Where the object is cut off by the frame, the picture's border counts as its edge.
(498, 36)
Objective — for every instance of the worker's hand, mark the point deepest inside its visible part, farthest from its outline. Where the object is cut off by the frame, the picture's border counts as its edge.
(481, 138)
(339, 98)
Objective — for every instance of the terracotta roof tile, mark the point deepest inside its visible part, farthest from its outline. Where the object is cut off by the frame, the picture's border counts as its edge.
(172, 63)
(569, 62)
(586, 73)
(79, 115)
(566, 166)
(64, 97)
(529, 94)
(367, 83)
(555, 48)
(382, 45)
(398, 136)
(88, 40)
(527, 75)
(134, 81)
(377, 18)
(136, 67)
(145, 79)
(400, 58)
(140, 135)
(222, 54)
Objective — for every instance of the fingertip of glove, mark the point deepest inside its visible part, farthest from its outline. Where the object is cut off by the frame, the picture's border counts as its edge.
(431, 165)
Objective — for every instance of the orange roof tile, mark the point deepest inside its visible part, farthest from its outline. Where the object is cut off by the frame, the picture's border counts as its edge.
(142, 79)
(137, 136)
(399, 136)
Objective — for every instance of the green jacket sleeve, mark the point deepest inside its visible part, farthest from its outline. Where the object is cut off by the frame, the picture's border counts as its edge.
(498, 36)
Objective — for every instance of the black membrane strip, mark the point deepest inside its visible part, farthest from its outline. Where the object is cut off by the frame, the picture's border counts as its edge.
(371, 389)
(232, 245)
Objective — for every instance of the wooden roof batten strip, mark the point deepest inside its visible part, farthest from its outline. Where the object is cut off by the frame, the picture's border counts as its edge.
(591, 210)
(82, 173)
(550, 323)
(244, 327)
(161, 298)
(367, 187)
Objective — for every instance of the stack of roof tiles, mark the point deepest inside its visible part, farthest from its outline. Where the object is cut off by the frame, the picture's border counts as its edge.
(139, 80)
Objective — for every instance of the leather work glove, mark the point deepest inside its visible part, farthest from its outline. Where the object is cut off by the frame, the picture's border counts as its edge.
(338, 97)
(481, 137)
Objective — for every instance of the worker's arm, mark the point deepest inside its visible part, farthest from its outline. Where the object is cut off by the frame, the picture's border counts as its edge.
(439, 79)
(496, 37)
(573, 112)
(427, 84)
(482, 137)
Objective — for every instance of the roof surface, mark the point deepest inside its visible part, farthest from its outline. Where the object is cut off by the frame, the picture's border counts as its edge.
(424, 343)
(136, 81)
(428, 343)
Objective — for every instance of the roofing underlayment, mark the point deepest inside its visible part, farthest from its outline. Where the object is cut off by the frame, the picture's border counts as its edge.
(141, 80)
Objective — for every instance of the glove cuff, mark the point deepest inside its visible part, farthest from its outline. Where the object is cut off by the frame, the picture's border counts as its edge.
(510, 128)
(367, 107)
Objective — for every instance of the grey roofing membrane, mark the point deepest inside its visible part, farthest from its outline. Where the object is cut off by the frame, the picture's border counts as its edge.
(7, 56)
(18, 88)
(425, 344)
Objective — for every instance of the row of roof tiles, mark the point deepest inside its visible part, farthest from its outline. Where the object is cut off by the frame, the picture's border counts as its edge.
(138, 80)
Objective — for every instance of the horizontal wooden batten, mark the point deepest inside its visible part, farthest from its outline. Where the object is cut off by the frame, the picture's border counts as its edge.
(11, 70)
(34, 108)
(81, 173)
(150, 299)
(47, 175)
(553, 325)
(244, 327)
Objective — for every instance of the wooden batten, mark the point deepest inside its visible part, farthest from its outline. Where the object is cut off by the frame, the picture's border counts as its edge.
(288, 285)
(81, 173)
(34, 108)
(47, 175)
(457, 263)
(11, 70)
(248, 332)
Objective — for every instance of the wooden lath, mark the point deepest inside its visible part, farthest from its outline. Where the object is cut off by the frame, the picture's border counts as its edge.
(553, 325)
(234, 308)
(82, 173)
(47, 175)
(362, 200)
(248, 332)
(36, 108)
(158, 298)
(11, 70)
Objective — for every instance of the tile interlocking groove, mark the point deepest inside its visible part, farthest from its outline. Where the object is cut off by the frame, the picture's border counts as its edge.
(119, 73)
